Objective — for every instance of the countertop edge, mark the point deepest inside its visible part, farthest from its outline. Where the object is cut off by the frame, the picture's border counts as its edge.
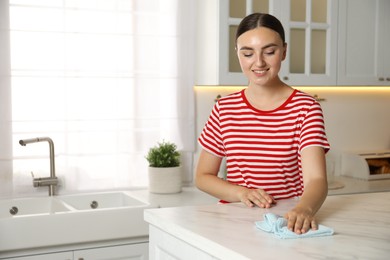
(190, 237)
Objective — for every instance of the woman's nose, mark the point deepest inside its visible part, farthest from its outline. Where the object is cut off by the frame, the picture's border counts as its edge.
(260, 61)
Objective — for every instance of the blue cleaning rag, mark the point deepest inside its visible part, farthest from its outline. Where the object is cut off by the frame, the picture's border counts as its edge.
(273, 223)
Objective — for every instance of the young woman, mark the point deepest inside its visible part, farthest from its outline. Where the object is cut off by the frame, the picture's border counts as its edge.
(272, 135)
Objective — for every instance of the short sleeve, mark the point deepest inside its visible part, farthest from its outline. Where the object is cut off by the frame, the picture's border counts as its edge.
(210, 138)
(313, 129)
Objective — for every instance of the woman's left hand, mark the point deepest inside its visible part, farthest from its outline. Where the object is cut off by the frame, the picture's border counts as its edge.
(300, 220)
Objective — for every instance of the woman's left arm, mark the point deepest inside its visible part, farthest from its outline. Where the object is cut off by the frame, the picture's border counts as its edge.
(301, 217)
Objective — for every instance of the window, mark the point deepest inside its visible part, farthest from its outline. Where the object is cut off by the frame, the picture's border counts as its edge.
(105, 80)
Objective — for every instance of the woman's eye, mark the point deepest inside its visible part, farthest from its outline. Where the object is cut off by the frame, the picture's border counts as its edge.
(270, 52)
(247, 54)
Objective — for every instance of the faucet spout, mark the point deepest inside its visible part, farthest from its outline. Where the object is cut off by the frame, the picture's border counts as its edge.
(52, 181)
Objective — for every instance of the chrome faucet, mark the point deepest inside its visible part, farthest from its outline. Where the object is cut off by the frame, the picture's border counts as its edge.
(51, 181)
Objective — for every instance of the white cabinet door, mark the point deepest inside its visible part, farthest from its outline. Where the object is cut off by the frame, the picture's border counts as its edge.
(364, 39)
(52, 256)
(230, 15)
(164, 246)
(130, 251)
(217, 20)
(311, 36)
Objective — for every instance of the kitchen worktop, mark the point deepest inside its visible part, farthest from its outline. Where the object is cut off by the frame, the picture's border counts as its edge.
(227, 231)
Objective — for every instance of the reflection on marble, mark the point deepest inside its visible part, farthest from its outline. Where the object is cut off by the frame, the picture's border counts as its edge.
(361, 223)
(335, 185)
(349, 185)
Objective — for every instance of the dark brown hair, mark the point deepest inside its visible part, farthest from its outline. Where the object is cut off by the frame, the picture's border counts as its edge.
(256, 20)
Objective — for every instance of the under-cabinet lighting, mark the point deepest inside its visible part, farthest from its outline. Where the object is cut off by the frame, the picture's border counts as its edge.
(355, 89)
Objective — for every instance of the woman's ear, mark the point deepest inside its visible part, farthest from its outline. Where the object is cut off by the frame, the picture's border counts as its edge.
(284, 51)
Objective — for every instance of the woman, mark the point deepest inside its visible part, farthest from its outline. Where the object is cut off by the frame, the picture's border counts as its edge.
(272, 135)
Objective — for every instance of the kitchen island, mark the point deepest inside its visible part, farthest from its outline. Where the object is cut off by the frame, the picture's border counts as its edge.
(227, 231)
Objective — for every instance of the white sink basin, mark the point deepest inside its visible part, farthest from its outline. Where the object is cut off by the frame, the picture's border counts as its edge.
(101, 200)
(69, 219)
(31, 206)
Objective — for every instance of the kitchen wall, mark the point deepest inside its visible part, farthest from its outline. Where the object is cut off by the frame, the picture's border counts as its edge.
(357, 119)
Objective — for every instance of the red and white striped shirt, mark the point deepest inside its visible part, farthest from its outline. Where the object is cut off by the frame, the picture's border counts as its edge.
(262, 148)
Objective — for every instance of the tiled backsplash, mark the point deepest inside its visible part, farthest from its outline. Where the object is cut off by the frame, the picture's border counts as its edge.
(357, 119)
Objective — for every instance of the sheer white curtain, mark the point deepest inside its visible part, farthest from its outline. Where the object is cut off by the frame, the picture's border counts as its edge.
(105, 80)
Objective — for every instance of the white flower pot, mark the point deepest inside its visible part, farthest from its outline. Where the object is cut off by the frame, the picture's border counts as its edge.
(165, 180)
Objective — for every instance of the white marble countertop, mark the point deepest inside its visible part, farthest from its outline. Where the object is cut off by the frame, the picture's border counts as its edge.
(190, 196)
(361, 223)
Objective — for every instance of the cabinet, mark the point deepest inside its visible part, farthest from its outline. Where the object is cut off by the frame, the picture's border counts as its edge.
(126, 251)
(329, 42)
(364, 37)
(217, 20)
(134, 251)
(50, 256)
(166, 246)
(230, 15)
(311, 36)
(311, 33)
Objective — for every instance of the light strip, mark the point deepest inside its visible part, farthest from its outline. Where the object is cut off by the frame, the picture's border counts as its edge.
(355, 89)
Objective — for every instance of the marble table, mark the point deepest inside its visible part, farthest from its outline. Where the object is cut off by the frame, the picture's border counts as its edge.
(214, 231)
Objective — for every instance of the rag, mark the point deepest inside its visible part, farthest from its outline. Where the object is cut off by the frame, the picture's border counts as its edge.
(276, 224)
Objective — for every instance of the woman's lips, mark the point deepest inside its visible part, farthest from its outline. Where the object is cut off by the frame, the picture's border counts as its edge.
(260, 72)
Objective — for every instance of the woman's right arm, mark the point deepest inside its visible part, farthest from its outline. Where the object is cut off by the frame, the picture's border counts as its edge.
(207, 180)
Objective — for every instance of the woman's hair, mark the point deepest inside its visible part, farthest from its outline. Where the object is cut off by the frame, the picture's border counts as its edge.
(256, 20)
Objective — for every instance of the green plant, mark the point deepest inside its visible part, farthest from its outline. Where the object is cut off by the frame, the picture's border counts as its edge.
(165, 154)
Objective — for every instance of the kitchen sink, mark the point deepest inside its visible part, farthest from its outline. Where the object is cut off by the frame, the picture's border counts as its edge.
(103, 200)
(51, 205)
(71, 219)
(31, 206)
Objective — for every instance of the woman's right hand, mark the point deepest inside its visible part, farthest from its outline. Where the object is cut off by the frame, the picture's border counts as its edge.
(258, 197)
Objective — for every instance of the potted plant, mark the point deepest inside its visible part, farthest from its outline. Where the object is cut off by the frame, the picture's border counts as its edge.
(164, 168)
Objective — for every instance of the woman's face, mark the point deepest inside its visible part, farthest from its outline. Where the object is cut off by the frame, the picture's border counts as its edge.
(260, 53)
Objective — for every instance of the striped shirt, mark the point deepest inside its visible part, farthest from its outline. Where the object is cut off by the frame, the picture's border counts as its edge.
(262, 148)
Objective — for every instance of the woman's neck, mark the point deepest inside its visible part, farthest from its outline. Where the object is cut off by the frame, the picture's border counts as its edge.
(268, 97)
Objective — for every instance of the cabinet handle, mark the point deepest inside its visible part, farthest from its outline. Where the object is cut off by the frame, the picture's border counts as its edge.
(388, 79)
(381, 79)
(80, 258)
(285, 78)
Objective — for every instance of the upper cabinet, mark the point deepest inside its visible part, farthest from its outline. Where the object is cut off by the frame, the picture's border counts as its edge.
(311, 36)
(364, 39)
(329, 42)
(231, 12)
(217, 21)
